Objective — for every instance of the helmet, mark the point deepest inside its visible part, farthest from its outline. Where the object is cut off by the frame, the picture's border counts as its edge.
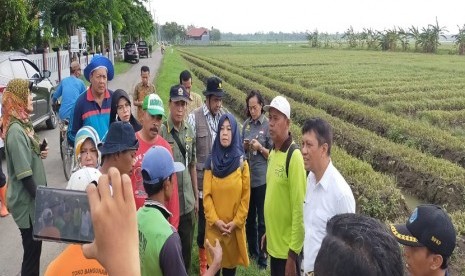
(82, 177)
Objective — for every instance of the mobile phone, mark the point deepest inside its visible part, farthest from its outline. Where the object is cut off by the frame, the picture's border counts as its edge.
(62, 216)
(44, 144)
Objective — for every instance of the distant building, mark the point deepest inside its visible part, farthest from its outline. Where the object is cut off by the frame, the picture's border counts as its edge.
(201, 35)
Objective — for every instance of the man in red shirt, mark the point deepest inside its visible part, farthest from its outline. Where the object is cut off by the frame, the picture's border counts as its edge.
(149, 136)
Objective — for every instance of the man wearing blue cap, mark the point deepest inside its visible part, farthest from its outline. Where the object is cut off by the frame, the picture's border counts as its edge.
(92, 108)
(159, 243)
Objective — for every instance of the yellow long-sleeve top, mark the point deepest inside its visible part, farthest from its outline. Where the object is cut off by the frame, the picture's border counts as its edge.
(227, 199)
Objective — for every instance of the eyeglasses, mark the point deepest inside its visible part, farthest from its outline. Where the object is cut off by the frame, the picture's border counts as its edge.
(124, 106)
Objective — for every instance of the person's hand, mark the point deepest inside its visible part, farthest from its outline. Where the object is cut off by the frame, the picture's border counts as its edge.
(263, 244)
(255, 145)
(216, 254)
(290, 267)
(222, 227)
(116, 243)
(231, 226)
(44, 153)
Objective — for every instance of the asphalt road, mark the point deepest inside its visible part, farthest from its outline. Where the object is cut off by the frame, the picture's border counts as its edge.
(11, 250)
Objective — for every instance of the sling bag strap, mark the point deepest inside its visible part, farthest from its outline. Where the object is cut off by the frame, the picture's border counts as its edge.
(181, 147)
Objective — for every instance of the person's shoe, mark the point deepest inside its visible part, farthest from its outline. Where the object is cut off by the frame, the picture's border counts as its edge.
(3, 209)
(202, 260)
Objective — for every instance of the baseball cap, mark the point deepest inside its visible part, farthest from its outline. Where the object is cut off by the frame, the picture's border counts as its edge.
(214, 87)
(82, 177)
(281, 104)
(120, 137)
(158, 164)
(427, 226)
(179, 93)
(153, 105)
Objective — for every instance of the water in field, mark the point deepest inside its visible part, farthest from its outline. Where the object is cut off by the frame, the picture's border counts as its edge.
(411, 201)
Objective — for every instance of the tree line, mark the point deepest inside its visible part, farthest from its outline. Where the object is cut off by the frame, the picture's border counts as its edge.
(426, 39)
(44, 23)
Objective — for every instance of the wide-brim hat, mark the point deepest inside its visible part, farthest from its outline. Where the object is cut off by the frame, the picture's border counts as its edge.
(99, 62)
(120, 137)
(214, 87)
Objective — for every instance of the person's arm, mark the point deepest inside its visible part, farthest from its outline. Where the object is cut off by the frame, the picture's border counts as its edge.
(116, 243)
(171, 262)
(211, 216)
(297, 188)
(216, 254)
(135, 96)
(57, 93)
(241, 214)
(193, 174)
(30, 186)
(75, 123)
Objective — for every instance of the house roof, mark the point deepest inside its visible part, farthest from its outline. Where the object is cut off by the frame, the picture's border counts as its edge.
(196, 32)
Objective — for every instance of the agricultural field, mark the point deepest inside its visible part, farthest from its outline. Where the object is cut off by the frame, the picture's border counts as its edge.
(398, 118)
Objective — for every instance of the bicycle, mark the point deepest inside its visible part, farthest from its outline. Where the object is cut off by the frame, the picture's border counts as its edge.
(66, 150)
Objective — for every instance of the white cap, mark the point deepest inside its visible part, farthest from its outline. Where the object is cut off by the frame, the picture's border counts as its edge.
(281, 104)
(82, 177)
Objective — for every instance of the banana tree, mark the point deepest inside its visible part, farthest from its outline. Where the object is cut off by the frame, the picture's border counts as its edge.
(460, 40)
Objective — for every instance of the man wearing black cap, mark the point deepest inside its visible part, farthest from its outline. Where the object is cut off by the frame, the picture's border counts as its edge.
(181, 138)
(428, 238)
(119, 149)
(204, 120)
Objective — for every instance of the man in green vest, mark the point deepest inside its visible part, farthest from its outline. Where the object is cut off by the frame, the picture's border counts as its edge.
(159, 243)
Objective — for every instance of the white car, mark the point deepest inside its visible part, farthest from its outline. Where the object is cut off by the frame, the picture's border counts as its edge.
(17, 65)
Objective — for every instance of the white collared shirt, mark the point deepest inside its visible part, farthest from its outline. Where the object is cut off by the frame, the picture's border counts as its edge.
(325, 199)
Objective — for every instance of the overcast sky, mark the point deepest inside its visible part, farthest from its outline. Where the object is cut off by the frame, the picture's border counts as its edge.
(250, 16)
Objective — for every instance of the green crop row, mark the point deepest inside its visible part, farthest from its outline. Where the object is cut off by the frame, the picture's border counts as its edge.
(413, 107)
(443, 118)
(415, 134)
(431, 179)
(376, 193)
(410, 96)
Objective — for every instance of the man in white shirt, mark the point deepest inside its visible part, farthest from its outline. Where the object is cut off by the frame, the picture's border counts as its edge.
(328, 194)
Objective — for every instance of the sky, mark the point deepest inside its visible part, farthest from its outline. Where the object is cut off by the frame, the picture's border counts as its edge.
(250, 16)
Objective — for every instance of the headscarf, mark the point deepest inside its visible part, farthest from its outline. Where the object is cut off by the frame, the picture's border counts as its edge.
(114, 109)
(84, 133)
(14, 103)
(226, 160)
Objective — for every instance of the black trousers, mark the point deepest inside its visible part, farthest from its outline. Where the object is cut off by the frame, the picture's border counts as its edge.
(2, 175)
(31, 256)
(201, 225)
(278, 266)
(255, 226)
(226, 272)
(186, 233)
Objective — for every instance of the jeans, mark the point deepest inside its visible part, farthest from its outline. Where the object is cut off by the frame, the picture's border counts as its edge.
(256, 218)
(226, 272)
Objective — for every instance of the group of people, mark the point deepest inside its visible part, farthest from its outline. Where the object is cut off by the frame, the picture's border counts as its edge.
(252, 191)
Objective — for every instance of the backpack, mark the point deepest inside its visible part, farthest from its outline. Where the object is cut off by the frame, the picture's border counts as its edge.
(291, 149)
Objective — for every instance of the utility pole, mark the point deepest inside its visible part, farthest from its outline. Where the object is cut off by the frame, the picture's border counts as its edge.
(110, 37)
